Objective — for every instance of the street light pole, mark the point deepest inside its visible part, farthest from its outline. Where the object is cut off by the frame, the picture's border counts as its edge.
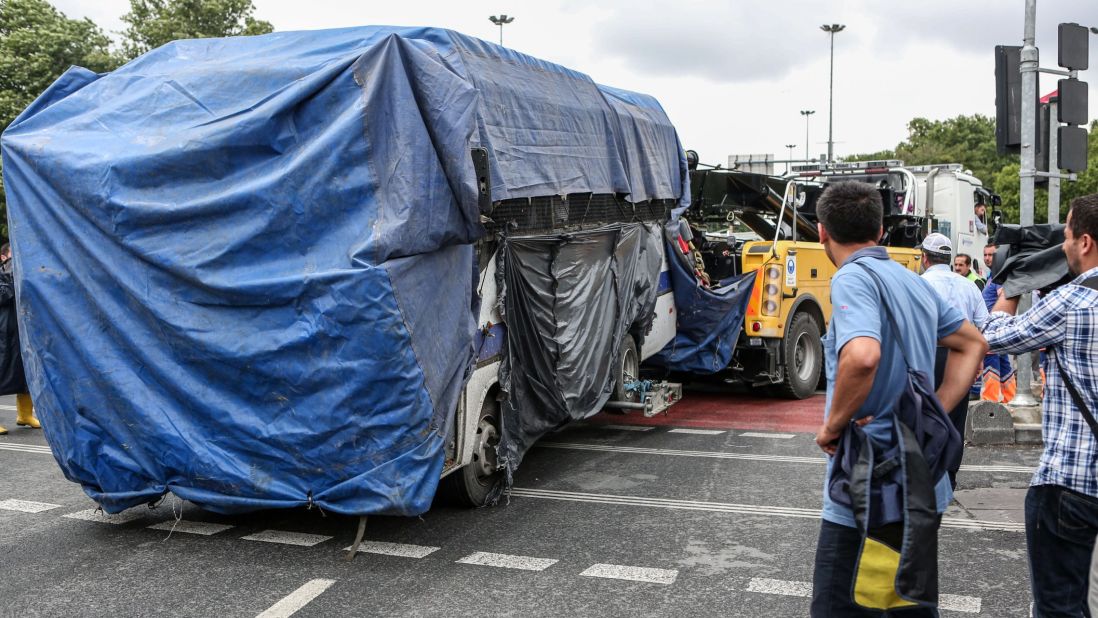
(499, 21)
(790, 161)
(806, 113)
(1029, 67)
(831, 29)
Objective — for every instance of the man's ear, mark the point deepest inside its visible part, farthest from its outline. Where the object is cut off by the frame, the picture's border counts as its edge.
(822, 233)
(1087, 244)
(880, 233)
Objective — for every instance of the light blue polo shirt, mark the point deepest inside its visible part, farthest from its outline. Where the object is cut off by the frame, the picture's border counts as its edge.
(856, 311)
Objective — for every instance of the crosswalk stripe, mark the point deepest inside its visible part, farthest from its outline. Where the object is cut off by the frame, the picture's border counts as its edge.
(100, 517)
(26, 448)
(775, 436)
(284, 537)
(291, 603)
(631, 573)
(203, 528)
(726, 507)
(400, 550)
(950, 602)
(507, 561)
(26, 506)
(636, 450)
(699, 432)
(627, 427)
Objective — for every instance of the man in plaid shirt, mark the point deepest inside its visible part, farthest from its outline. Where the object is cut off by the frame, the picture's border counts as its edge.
(1062, 502)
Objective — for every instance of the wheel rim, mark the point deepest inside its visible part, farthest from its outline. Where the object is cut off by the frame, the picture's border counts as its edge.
(629, 372)
(804, 358)
(484, 450)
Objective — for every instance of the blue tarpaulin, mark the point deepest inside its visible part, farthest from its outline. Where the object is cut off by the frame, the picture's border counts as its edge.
(710, 319)
(244, 267)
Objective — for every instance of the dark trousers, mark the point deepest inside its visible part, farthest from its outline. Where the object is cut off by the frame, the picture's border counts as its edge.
(833, 579)
(959, 414)
(1060, 528)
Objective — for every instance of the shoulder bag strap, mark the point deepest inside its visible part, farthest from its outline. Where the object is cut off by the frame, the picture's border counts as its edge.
(888, 312)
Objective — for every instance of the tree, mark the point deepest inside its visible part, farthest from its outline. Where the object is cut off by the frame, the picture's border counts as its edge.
(37, 44)
(153, 23)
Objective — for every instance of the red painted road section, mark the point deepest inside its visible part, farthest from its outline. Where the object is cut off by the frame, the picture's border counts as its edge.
(731, 411)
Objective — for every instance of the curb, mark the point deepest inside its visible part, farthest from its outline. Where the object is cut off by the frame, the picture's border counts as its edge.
(994, 423)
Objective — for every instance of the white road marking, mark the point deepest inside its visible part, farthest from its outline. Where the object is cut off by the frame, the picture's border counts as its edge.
(700, 432)
(26, 448)
(778, 586)
(101, 517)
(507, 561)
(191, 527)
(628, 427)
(777, 436)
(401, 550)
(727, 507)
(297, 599)
(630, 573)
(958, 603)
(611, 448)
(950, 602)
(287, 538)
(4, 406)
(26, 506)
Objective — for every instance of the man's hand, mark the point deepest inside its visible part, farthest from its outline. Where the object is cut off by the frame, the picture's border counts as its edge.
(828, 439)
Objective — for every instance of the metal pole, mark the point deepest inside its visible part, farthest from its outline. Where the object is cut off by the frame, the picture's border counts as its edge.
(806, 113)
(1053, 165)
(831, 104)
(788, 163)
(501, 34)
(1029, 66)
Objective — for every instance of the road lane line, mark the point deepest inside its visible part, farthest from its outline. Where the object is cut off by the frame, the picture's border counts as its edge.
(297, 599)
(101, 517)
(400, 550)
(284, 537)
(4, 406)
(777, 436)
(26, 506)
(191, 527)
(627, 427)
(507, 561)
(699, 432)
(950, 602)
(727, 507)
(631, 573)
(779, 586)
(25, 448)
(612, 448)
(958, 603)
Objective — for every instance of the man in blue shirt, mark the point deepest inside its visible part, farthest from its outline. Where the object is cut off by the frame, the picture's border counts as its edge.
(866, 371)
(999, 383)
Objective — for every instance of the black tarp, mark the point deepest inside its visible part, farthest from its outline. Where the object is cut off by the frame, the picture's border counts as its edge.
(1029, 258)
(12, 379)
(568, 299)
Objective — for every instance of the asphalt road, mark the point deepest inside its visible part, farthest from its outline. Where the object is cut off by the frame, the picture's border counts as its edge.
(607, 519)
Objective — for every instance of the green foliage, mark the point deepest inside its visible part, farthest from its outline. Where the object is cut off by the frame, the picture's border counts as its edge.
(37, 44)
(153, 23)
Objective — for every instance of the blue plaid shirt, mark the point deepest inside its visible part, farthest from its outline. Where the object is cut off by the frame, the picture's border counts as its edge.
(1065, 321)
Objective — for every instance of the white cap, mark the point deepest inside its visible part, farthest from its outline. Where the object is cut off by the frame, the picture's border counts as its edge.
(938, 244)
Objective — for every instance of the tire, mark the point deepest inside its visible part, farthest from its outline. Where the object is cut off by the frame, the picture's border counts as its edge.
(476, 481)
(628, 370)
(802, 352)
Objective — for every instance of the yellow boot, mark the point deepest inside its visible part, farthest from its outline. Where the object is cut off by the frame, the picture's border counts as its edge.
(3, 432)
(24, 415)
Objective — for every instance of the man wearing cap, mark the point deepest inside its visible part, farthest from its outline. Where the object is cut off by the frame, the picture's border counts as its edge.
(961, 294)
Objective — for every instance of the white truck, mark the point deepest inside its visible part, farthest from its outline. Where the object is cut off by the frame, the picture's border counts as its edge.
(940, 198)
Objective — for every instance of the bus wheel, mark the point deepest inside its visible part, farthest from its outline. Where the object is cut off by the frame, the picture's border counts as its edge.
(628, 370)
(475, 482)
(803, 352)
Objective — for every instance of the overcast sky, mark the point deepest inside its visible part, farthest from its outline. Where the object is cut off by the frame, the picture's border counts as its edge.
(734, 75)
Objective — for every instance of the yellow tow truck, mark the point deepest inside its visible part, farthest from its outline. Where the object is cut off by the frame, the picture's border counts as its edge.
(743, 222)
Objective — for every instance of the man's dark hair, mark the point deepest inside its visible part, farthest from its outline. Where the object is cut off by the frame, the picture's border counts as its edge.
(851, 212)
(937, 258)
(1084, 216)
(967, 259)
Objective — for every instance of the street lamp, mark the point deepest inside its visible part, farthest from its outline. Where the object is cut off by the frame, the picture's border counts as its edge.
(806, 113)
(499, 21)
(790, 161)
(831, 29)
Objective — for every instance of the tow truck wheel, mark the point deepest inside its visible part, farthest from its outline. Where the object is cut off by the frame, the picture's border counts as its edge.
(803, 358)
(475, 482)
(628, 370)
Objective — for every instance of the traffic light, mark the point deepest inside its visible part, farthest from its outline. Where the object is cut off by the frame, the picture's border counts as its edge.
(1072, 53)
(1008, 98)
